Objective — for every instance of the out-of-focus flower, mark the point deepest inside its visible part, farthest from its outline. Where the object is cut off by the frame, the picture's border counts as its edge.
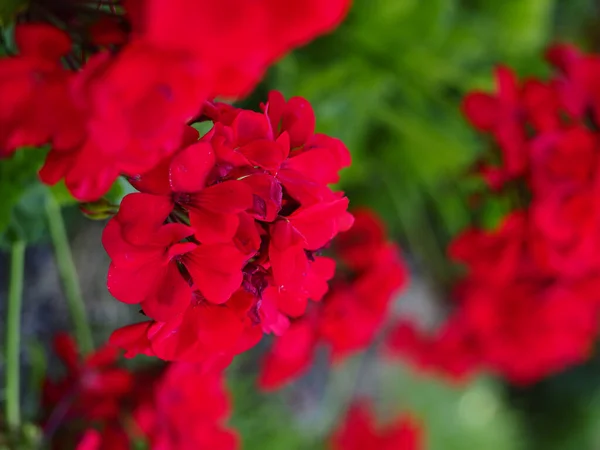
(351, 313)
(33, 86)
(527, 306)
(100, 406)
(123, 104)
(187, 410)
(359, 431)
(92, 387)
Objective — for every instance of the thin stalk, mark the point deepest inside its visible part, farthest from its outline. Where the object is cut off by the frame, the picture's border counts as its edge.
(68, 276)
(13, 335)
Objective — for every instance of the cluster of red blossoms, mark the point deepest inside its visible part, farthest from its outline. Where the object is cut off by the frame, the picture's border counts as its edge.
(221, 243)
(99, 406)
(351, 313)
(360, 432)
(112, 93)
(528, 305)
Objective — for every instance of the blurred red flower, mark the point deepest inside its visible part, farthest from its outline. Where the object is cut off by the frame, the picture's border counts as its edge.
(359, 432)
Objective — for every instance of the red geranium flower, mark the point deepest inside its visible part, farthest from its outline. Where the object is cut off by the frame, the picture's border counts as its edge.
(359, 431)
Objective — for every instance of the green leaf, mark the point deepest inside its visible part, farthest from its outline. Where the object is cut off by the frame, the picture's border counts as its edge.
(62, 194)
(9, 9)
(22, 195)
(27, 221)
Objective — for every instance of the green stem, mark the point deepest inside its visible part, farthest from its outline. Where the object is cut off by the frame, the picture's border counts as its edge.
(68, 275)
(13, 335)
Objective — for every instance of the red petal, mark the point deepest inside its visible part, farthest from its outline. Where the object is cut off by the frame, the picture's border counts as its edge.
(284, 235)
(91, 440)
(315, 164)
(67, 351)
(135, 284)
(290, 356)
(88, 177)
(271, 320)
(211, 227)
(334, 146)
(321, 270)
(264, 153)
(103, 357)
(289, 265)
(155, 181)
(228, 197)
(508, 90)
(175, 339)
(216, 270)
(154, 210)
(171, 296)
(298, 120)
(269, 190)
(318, 224)
(291, 303)
(191, 166)
(122, 252)
(42, 41)
(133, 339)
(218, 327)
(482, 110)
(56, 166)
(247, 237)
(172, 233)
(275, 107)
(250, 126)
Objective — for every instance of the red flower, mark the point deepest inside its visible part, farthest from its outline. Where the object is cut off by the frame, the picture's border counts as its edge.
(186, 411)
(565, 156)
(35, 107)
(500, 115)
(290, 356)
(92, 388)
(349, 316)
(130, 125)
(577, 87)
(567, 219)
(154, 263)
(112, 437)
(450, 351)
(178, 407)
(554, 326)
(127, 107)
(359, 432)
(496, 255)
(529, 286)
(215, 217)
(203, 333)
(236, 41)
(358, 247)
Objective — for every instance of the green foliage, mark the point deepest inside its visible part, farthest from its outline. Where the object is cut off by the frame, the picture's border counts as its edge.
(454, 417)
(263, 421)
(469, 416)
(22, 199)
(9, 9)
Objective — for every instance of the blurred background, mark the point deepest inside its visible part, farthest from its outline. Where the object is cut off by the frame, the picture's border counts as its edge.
(389, 83)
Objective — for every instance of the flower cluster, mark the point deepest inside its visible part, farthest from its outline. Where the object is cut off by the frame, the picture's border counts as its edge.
(99, 406)
(359, 432)
(112, 94)
(528, 305)
(351, 313)
(221, 243)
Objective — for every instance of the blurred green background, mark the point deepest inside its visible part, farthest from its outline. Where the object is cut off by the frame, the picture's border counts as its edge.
(389, 83)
